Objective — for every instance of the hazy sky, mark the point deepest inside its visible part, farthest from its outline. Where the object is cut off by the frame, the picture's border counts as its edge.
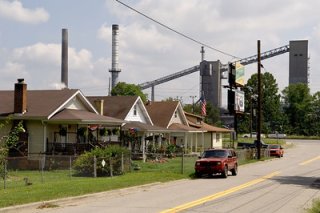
(30, 40)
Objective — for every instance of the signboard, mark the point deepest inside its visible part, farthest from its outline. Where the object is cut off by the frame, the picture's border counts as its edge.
(239, 74)
(239, 101)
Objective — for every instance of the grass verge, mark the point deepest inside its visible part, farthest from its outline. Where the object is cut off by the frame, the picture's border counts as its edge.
(59, 184)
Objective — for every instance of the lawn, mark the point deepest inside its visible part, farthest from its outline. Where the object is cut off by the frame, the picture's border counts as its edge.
(49, 185)
(58, 184)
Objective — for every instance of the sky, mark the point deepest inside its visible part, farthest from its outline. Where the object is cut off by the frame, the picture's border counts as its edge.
(30, 41)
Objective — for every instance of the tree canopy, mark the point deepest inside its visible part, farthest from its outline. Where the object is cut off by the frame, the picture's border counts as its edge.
(271, 108)
(124, 89)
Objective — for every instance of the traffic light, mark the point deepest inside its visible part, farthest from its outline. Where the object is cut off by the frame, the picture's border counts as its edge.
(232, 75)
(231, 99)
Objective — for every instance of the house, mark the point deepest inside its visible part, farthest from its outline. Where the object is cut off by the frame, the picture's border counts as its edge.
(55, 121)
(212, 137)
(170, 115)
(139, 132)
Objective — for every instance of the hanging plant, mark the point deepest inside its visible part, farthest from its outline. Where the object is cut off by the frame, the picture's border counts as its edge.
(109, 132)
(115, 131)
(82, 131)
(63, 131)
(103, 132)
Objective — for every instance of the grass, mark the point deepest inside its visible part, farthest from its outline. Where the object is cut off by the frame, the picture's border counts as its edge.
(315, 207)
(59, 184)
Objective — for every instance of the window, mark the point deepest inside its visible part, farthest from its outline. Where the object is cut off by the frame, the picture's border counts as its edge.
(175, 114)
(135, 110)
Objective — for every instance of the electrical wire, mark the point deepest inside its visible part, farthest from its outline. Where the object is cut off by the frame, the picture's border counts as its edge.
(177, 32)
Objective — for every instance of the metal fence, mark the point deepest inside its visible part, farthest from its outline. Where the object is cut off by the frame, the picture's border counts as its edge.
(23, 171)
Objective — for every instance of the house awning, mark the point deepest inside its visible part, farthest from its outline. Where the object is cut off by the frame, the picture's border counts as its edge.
(184, 128)
(139, 126)
(73, 116)
(209, 128)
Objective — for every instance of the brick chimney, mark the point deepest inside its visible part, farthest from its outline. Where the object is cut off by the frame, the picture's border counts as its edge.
(20, 96)
(99, 105)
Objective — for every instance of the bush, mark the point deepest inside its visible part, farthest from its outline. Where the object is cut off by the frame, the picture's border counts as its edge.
(84, 165)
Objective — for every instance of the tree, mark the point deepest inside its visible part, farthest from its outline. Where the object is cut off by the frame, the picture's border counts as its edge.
(297, 106)
(124, 89)
(272, 118)
(8, 142)
(314, 116)
(212, 117)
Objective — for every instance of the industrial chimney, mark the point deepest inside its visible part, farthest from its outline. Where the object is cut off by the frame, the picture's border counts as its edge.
(115, 53)
(64, 58)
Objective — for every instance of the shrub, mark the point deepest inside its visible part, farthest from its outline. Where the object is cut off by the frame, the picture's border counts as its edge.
(84, 165)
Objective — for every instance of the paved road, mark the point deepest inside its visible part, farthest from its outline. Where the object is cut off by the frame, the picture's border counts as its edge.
(281, 185)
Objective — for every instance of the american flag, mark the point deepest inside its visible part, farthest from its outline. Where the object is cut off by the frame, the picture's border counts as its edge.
(203, 105)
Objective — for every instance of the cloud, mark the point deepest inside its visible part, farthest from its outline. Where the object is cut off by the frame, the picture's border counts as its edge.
(152, 51)
(14, 10)
(40, 65)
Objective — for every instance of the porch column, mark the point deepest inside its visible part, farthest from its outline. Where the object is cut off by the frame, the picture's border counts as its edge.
(202, 141)
(191, 141)
(44, 137)
(143, 141)
(185, 141)
(196, 146)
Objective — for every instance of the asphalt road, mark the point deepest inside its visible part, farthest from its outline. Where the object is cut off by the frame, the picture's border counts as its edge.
(281, 185)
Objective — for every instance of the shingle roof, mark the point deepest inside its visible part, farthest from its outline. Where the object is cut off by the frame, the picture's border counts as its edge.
(161, 112)
(115, 106)
(40, 103)
(73, 115)
(143, 127)
(181, 127)
(192, 120)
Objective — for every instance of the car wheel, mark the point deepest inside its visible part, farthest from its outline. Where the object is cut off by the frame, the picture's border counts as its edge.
(224, 174)
(235, 170)
(198, 174)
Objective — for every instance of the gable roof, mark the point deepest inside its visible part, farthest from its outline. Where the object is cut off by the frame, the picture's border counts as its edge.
(76, 116)
(40, 103)
(115, 106)
(193, 121)
(161, 112)
(120, 106)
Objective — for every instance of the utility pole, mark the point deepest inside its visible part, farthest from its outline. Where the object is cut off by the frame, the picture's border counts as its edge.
(259, 103)
(193, 97)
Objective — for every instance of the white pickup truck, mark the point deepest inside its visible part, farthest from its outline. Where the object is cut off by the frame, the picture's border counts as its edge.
(253, 134)
(277, 135)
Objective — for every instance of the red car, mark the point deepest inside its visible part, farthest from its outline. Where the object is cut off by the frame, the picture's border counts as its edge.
(276, 150)
(217, 161)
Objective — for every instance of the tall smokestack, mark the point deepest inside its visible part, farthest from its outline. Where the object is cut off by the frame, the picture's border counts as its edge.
(115, 54)
(64, 58)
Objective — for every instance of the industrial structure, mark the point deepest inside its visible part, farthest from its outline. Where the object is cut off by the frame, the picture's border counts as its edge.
(64, 58)
(115, 56)
(210, 71)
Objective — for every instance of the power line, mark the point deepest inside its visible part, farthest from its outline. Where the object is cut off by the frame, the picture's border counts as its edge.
(177, 32)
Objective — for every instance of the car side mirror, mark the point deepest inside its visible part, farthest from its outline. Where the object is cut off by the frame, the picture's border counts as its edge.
(199, 157)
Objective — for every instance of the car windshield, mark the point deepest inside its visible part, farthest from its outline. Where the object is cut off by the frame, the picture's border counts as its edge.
(215, 154)
(274, 146)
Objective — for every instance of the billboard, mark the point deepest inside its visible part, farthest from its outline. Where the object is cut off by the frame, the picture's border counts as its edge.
(235, 101)
(239, 74)
(239, 101)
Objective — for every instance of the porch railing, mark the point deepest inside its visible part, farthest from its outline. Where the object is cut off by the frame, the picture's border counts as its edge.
(58, 148)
